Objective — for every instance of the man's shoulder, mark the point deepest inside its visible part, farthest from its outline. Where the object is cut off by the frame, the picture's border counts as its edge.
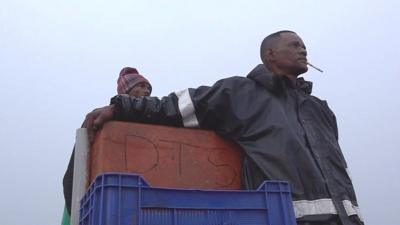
(235, 81)
(233, 85)
(315, 98)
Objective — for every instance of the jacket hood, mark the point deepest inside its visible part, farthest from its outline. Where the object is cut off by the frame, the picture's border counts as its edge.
(276, 84)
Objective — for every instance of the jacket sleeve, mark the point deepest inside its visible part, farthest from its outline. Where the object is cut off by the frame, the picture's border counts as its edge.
(148, 109)
(193, 107)
(210, 105)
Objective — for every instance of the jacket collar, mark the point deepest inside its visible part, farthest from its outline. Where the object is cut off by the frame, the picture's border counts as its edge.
(277, 84)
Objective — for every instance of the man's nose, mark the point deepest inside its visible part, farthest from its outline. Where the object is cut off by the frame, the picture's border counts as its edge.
(303, 52)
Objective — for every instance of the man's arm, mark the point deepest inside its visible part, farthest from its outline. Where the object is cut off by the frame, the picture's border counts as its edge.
(164, 111)
(200, 107)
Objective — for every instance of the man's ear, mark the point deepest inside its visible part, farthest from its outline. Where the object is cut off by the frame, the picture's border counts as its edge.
(269, 56)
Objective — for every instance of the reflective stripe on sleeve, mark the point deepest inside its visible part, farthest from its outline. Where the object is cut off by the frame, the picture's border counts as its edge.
(186, 108)
(323, 206)
(314, 207)
(352, 209)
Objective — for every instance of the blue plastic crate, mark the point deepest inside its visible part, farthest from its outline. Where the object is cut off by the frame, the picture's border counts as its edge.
(126, 199)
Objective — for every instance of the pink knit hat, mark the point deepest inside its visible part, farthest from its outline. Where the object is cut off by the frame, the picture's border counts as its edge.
(129, 77)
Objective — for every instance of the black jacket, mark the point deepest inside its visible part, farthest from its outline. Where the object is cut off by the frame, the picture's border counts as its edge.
(286, 133)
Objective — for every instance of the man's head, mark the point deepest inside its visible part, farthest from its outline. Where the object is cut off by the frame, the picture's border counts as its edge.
(132, 83)
(284, 53)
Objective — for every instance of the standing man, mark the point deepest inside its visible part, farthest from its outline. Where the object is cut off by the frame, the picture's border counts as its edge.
(129, 83)
(285, 132)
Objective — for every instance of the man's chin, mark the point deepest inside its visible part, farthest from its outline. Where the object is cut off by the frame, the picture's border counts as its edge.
(301, 70)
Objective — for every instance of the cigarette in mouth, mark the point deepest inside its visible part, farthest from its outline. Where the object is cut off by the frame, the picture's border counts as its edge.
(315, 67)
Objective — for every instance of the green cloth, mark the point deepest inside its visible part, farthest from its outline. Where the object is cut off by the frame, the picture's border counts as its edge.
(66, 217)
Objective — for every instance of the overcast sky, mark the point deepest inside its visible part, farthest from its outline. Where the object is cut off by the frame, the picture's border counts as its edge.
(60, 59)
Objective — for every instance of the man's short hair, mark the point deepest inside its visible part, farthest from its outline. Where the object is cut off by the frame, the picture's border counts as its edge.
(269, 40)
